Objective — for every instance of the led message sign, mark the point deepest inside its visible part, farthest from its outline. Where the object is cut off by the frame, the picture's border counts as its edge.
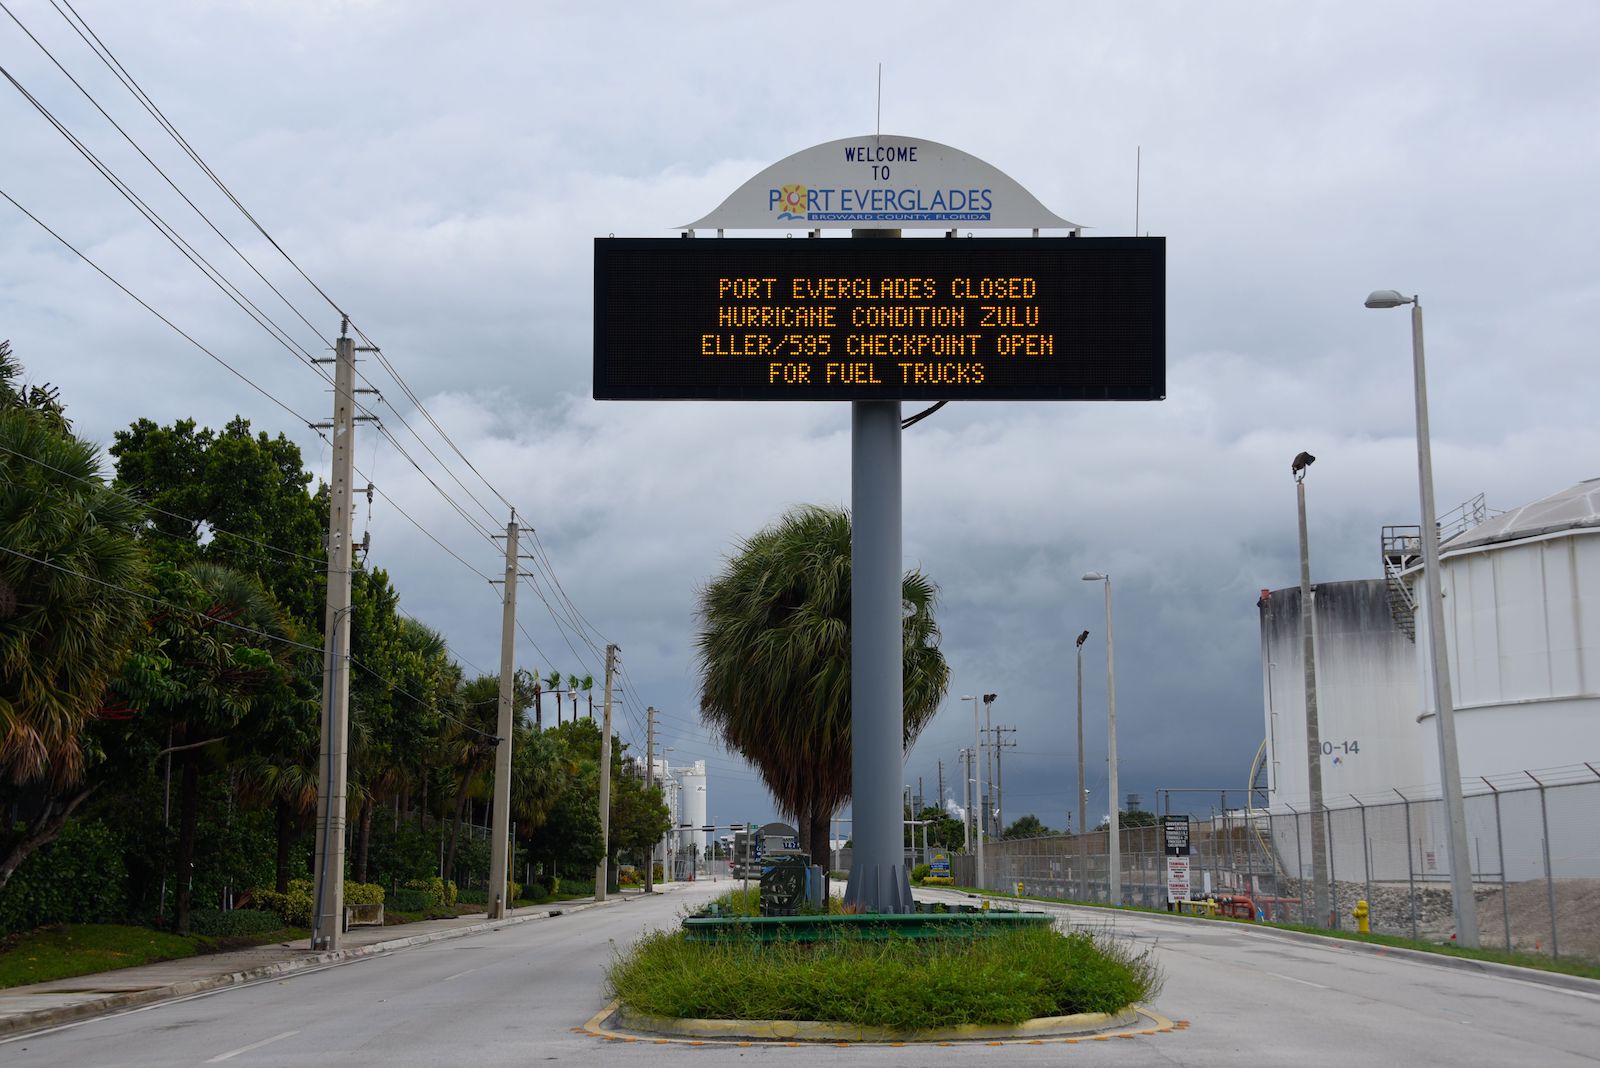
(1070, 318)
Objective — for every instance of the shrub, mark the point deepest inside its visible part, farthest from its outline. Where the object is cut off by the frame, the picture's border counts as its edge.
(440, 892)
(473, 897)
(233, 922)
(78, 878)
(363, 893)
(921, 872)
(295, 906)
(407, 899)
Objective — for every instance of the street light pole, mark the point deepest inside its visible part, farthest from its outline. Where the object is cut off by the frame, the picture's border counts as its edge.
(977, 773)
(1308, 654)
(1114, 876)
(1465, 906)
(1083, 796)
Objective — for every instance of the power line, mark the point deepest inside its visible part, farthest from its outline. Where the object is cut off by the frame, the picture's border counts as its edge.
(136, 147)
(142, 303)
(115, 66)
(187, 250)
(147, 506)
(253, 631)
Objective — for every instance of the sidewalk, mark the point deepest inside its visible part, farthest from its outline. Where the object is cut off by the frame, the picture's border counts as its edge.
(30, 1008)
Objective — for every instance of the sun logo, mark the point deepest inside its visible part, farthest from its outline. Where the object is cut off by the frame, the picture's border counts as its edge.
(792, 201)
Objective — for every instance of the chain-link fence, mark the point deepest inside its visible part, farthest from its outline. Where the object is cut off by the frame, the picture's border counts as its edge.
(1533, 838)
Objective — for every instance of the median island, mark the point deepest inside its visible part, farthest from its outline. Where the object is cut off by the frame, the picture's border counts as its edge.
(968, 975)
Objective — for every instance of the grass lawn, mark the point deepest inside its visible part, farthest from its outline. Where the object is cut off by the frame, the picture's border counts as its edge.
(81, 949)
(1565, 965)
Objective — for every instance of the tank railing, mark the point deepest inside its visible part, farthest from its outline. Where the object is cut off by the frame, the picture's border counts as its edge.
(1402, 551)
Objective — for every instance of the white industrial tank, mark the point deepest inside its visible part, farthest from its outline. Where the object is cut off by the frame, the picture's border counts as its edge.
(1522, 627)
(693, 779)
(1367, 694)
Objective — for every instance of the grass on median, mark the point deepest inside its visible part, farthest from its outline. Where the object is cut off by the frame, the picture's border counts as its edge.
(82, 949)
(898, 983)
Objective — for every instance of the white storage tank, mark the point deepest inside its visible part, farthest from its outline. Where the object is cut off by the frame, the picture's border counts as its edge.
(1522, 624)
(693, 779)
(1368, 697)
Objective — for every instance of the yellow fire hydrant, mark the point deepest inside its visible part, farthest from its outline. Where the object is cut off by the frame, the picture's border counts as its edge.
(1360, 913)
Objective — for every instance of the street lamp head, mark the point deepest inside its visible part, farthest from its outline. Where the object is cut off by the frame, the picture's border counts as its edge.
(1388, 298)
(968, 697)
(1095, 576)
(1301, 462)
(1082, 638)
(988, 698)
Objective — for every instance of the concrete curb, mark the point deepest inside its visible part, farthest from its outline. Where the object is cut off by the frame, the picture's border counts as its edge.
(1377, 949)
(22, 1023)
(813, 1031)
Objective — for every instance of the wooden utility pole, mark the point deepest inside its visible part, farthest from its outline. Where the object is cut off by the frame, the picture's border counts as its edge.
(602, 870)
(327, 922)
(499, 874)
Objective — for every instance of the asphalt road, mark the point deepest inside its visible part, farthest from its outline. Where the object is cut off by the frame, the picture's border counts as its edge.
(514, 996)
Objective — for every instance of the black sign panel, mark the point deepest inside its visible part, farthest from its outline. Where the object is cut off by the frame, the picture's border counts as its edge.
(875, 319)
(1175, 835)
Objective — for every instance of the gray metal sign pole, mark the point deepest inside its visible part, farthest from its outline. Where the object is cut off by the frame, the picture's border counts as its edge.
(878, 878)
(877, 869)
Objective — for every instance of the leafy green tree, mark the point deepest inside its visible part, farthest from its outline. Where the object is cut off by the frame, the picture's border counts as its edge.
(71, 575)
(1029, 826)
(944, 831)
(774, 655)
(201, 668)
(244, 502)
(1133, 817)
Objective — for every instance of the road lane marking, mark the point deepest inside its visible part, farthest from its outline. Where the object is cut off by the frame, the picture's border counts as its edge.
(254, 1045)
(458, 975)
(1292, 979)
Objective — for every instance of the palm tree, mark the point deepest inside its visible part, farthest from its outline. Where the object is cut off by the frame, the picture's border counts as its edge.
(774, 655)
(71, 575)
(469, 751)
(552, 683)
(586, 684)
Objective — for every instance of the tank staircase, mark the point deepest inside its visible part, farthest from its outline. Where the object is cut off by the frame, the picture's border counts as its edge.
(1402, 557)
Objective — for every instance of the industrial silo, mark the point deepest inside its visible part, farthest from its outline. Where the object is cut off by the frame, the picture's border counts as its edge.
(1522, 626)
(1367, 694)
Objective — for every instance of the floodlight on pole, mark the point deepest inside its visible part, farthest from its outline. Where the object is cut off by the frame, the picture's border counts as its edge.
(1462, 901)
(1114, 822)
(1308, 654)
(1083, 793)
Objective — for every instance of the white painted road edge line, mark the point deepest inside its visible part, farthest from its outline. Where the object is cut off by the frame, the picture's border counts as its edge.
(1292, 979)
(254, 1045)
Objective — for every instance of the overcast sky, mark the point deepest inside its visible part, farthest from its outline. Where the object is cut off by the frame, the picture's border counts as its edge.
(441, 170)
